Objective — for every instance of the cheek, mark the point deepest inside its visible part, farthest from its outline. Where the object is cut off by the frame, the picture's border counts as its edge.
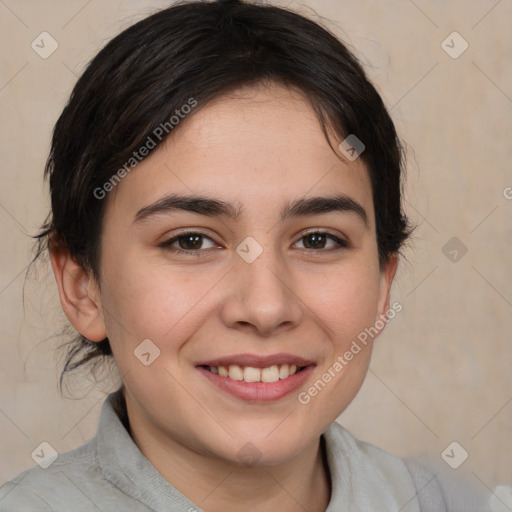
(345, 304)
(156, 302)
(345, 300)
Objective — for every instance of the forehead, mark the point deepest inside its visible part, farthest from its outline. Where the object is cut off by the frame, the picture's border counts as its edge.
(260, 146)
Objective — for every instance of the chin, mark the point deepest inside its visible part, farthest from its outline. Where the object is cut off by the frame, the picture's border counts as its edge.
(255, 447)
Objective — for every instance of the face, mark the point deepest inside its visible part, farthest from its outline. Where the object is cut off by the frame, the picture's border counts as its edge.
(281, 283)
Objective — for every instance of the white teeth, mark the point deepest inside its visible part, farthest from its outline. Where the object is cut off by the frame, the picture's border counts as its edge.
(235, 372)
(270, 374)
(250, 374)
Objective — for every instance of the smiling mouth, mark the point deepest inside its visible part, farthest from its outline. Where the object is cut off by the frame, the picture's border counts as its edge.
(269, 374)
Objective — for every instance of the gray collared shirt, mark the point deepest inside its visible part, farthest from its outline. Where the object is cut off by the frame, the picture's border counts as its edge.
(110, 473)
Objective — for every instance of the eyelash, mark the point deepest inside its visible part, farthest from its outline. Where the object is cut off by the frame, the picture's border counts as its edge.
(167, 244)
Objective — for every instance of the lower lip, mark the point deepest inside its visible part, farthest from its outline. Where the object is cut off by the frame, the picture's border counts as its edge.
(259, 391)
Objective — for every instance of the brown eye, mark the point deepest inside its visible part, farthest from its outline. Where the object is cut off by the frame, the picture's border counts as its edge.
(191, 243)
(318, 240)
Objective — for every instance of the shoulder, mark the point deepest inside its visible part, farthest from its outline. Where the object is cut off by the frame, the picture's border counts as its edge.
(435, 487)
(87, 478)
(43, 489)
(447, 490)
(16, 495)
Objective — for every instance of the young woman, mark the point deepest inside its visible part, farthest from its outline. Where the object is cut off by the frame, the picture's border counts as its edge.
(226, 224)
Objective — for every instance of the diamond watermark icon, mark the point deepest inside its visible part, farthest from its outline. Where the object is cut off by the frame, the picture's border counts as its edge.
(249, 455)
(44, 45)
(454, 249)
(454, 45)
(454, 455)
(249, 249)
(45, 455)
(351, 147)
(146, 352)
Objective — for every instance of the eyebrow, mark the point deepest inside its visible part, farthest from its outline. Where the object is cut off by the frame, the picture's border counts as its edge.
(212, 207)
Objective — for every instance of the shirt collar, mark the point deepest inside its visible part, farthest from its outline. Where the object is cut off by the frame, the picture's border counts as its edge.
(127, 468)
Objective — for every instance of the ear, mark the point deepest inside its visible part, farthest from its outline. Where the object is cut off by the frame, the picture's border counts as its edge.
(79, 293)
(387, 275)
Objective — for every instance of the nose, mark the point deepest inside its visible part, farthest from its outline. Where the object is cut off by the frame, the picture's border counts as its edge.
(261, 297)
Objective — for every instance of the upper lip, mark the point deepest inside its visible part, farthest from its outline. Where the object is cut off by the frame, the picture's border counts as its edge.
(257, 361)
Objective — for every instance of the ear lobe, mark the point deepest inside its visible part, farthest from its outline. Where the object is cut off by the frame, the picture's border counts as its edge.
(79, 294)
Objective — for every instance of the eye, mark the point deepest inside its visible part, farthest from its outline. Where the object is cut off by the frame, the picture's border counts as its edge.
(317, 241)
(190, 242)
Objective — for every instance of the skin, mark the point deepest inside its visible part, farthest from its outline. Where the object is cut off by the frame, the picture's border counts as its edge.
(258, 148)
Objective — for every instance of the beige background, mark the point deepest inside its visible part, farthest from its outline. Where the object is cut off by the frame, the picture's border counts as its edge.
(442, 369)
